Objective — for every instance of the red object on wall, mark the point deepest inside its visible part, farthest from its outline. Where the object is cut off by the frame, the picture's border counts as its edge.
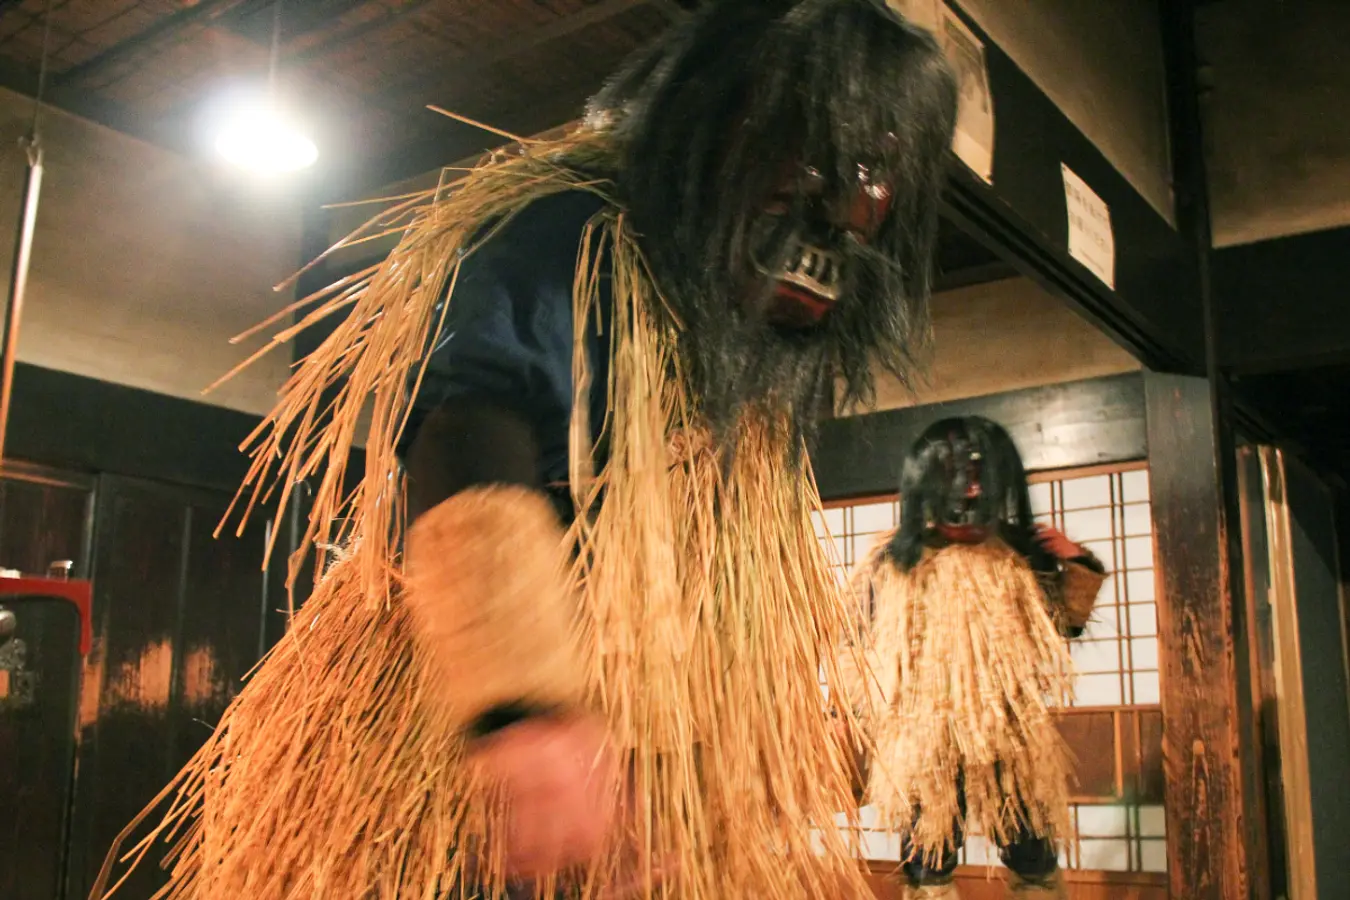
(80, 593)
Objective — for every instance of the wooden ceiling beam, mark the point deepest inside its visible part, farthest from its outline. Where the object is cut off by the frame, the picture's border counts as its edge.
(157, 33)
(509, 48)
(345, 37)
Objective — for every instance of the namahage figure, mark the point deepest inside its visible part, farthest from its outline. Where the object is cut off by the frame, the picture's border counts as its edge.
(571, 639)
(968, 605)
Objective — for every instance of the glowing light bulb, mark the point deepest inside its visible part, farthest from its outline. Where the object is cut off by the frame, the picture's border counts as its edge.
(256, 137)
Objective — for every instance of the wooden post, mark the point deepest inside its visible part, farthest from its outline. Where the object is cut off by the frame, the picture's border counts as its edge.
(1215, 810)
(1213, 843)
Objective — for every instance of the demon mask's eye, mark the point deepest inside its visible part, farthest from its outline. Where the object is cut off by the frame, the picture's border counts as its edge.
(869, 205)
(797, 185)
(974, 469)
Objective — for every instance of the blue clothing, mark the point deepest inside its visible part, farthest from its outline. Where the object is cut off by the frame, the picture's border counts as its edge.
(508, 338)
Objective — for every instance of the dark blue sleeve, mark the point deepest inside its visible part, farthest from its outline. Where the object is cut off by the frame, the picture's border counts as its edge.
(508, 337)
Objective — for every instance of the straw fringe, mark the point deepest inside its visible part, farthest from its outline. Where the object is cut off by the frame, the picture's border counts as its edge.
(971, 665)
(707, 610)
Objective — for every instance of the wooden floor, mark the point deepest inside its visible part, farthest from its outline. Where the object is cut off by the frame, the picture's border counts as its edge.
(977, 883)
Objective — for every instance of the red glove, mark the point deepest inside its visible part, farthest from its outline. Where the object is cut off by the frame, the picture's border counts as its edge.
(1056, 544)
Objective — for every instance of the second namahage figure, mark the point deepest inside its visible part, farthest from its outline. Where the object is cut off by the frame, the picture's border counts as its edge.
(968, 607)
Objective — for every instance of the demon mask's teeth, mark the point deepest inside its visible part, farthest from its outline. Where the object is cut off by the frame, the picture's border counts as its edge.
(815, 270)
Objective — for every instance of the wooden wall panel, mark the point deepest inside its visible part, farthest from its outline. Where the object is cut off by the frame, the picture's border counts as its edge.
(1301, 329)
(145, 263)
(42, 520)
(179, 619)
(128, 679)
(39, 521)
(1092, 738)
(1307, 557)
(37, 744)
(82, 424)
(1001, 336)
(1072, 425)
(1111, 90)
(224, 621)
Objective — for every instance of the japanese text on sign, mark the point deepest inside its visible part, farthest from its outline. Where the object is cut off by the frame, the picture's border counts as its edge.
(1091, 240)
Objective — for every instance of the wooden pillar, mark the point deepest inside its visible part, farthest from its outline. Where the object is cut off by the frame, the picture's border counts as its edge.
(1214, 845)
(1216, 826)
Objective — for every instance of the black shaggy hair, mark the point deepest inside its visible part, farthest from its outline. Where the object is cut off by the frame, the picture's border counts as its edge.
(930, 475)
(708, 121)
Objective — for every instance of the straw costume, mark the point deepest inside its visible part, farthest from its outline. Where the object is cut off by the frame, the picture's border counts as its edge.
(969, 606)
(598, 362)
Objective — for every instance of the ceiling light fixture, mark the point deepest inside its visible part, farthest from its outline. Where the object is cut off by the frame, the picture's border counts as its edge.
(257, 137)
(255, 134)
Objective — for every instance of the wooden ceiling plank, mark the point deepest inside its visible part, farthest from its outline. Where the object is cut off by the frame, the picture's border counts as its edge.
(162, 30)
(80, 103)
(348, 36)
(515, 45)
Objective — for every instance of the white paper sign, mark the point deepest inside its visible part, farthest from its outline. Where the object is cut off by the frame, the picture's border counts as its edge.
(1091, 241)
(973, 142)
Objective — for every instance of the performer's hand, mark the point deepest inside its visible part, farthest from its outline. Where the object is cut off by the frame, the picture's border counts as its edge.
(560, 783)
(1056, 544)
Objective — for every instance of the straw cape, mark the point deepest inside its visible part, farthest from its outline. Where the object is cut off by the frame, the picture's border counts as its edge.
(969, 663)
(705, 611)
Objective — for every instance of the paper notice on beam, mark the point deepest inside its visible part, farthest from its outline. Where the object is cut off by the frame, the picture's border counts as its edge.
(1091, 240)
(974, 139)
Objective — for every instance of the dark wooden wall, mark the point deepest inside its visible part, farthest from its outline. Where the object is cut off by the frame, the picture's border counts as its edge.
(1282, 301)
(40, 521)
(1022, 217)
(180, 618)
(132, 489)
(1078, 423)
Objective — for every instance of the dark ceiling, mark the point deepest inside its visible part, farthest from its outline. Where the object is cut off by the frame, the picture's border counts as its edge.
(1306, 410)
(364, 70)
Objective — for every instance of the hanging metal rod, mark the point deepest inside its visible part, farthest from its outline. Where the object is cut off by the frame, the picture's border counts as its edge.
(23, 241)
(18, 283)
